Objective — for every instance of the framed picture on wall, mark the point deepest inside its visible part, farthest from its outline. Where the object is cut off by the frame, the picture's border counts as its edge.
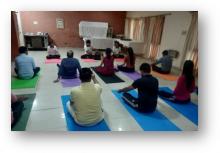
(60, 23)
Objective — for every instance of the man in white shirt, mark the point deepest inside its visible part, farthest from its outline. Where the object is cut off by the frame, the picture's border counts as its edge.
(85, 100)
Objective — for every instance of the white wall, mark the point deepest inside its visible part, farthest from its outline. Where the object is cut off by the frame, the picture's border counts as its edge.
(21, 36)
(175, 30)
(174, 34)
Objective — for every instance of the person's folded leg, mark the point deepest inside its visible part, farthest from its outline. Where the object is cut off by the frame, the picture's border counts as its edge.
(128, 98)
(156, 68)
(17, 109)
(57, 56)
(48, 57)
(36, 70)
(125, 69)
(16, 71)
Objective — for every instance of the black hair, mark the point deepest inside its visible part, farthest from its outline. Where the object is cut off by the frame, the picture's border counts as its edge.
(88, 41)
(70, 54)
(108, 52)
(131, 55)
(51, 45)
(145, 67)
(22, 49)
(188, 73)
(85, 74)
(116, 42)
(165, 52)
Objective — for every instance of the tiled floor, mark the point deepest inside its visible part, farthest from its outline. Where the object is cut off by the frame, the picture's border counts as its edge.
(47, 112)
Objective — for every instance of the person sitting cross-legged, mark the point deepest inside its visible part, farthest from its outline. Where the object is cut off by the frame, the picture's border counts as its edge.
(166, 64)
(85, 100)
(117, 50)
(107, 64)
(185, 85)
(24, 65)
(129, 62)
(68, 67)
(147, 87)
(52, 52)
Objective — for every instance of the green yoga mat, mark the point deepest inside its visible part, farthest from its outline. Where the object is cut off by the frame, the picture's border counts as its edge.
(109, 79)
(21, 84)
(22, 122)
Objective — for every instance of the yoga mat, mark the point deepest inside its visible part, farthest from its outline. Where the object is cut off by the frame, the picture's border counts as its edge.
(109, 79)
(70, 82)
(73, 126)
(168, 77)
(88, 60)
(154, 121)
(133, 75)
(189, 110)
(56, 61)
(22, 122)
(119, 59)
(17, 83)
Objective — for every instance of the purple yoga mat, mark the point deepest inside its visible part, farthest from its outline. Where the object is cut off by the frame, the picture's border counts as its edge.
(70, 82)
(133, 75)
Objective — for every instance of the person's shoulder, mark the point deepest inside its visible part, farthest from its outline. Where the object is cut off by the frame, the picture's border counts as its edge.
(75, 90)
(181, 77)
(154, 78)
(97, 86)
(29, 57)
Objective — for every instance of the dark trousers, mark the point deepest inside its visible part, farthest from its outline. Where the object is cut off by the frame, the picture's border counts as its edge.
(36, 70)
(87, 56)
(17, 109)
(60, 74)
(125, 69)
(159, 70)
(132, 101)
(53, 56)
(170, 96)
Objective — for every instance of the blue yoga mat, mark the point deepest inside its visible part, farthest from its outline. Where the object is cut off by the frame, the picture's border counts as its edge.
(73, 126)
(189, 110)
(148, 121)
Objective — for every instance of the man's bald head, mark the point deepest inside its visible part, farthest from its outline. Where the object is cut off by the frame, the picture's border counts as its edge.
(70, 54)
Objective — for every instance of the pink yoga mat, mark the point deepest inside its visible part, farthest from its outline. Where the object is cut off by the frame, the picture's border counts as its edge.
(119, 59)
(88, 60)
(56, 61)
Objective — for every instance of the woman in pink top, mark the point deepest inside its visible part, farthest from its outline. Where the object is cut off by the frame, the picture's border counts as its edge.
(107, 65)
(185, 85)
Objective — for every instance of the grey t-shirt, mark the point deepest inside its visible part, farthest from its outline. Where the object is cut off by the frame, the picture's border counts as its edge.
(166, 63)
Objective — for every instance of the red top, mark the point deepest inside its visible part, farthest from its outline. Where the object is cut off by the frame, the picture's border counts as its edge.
(109, 65)
(181, 92)
(128, 62)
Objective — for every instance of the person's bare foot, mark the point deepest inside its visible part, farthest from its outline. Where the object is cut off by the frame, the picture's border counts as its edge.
(55, 81)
